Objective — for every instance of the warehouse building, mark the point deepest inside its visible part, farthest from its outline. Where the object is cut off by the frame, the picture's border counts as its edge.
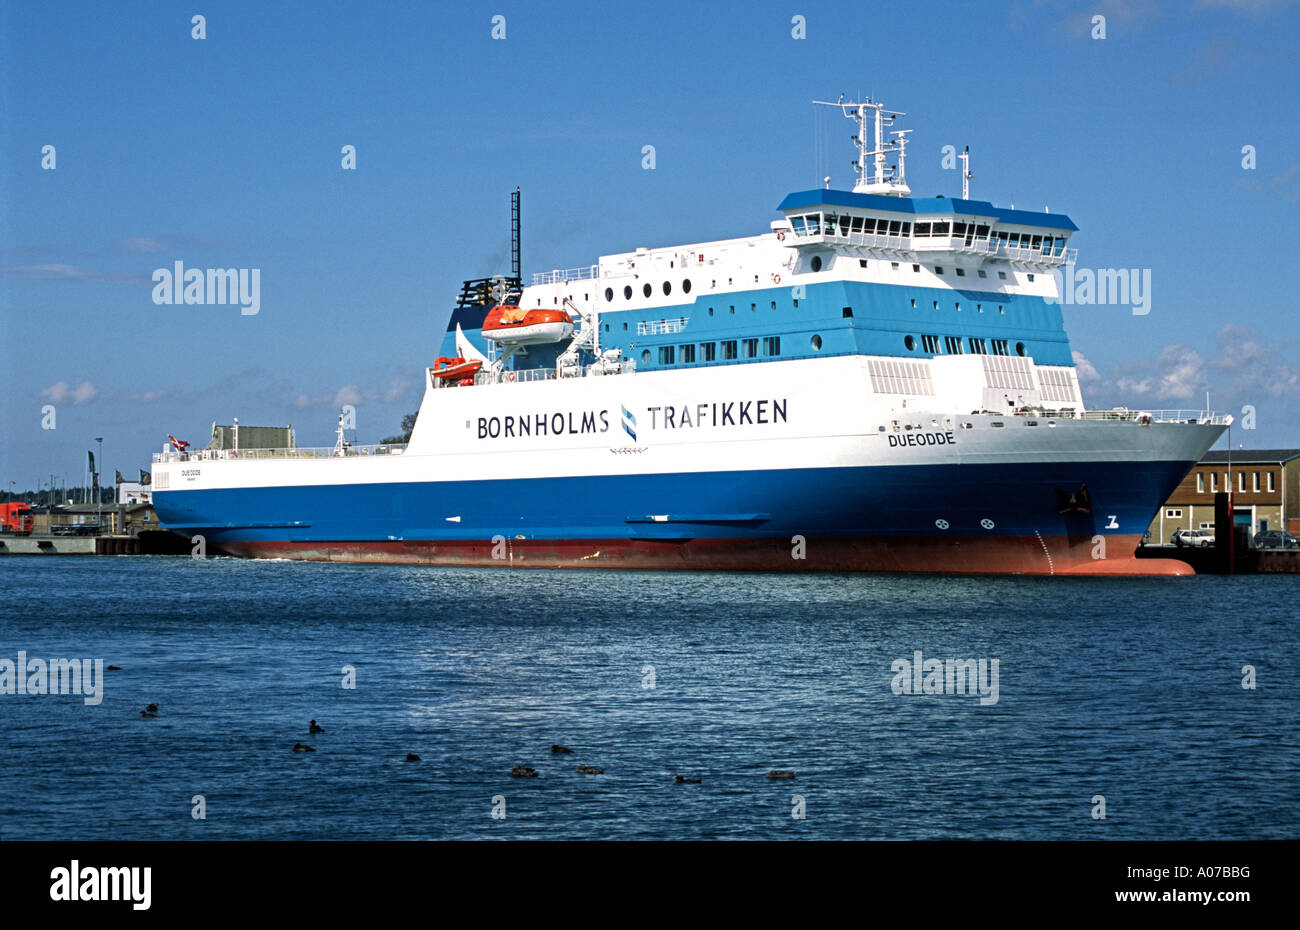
(1265, 486)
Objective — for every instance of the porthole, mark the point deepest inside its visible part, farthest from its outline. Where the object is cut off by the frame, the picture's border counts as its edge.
(816, 263)
(668, 288)
(645, 357)
(647, 290)
(816, 343)
(686, 286)
(627, 292)
(1020, 348)
(609, 293)
(910, 343)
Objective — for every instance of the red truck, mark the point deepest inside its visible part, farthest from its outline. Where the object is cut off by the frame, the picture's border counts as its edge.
(16, 519)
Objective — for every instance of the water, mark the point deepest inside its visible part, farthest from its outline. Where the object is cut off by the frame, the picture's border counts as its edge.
(1126, 688)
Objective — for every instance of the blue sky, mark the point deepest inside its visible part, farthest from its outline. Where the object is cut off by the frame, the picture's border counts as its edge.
(225, 152)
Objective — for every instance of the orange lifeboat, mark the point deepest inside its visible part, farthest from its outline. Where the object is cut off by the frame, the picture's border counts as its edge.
(516, 326)
(456, 369)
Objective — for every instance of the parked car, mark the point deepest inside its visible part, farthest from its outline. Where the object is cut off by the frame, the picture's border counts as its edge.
(1195, 539)
(1275, 539)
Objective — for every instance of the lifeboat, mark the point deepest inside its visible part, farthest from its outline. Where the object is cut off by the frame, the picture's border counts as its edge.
(460, 370)
(516, 326)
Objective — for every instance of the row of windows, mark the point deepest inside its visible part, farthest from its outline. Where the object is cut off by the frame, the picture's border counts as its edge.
(647, 289)
(952, 345)
(1241, 481)
(709, 351)
(846, 224)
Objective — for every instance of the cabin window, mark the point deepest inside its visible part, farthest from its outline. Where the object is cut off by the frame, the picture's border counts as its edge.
(627, 293)
(1031, 278)
(733, 307)
(930, 343)
(938, 269)
(729, 349)
(625, 327)
(710, 311)
(687, 354)
(961, 272)
(916, 268)
(668, 288)
(609, 293)
(847, 313)
(815, 342)
(645, 357)
(709, 351)
(774, 305)
(667, 355)
(977, 346)
(893, 266)
(647, 290)
(750, 347)
(913, 303)
(753, 308)
(816, 263)
(1020, 348)
(1002, 275)
(1000, 347)
(771, 345)
(956, 305)
(909, 343)
(979, 308)
(686, 286)
(983, 273)
(952, 345)
(936, 304)
(862, 263)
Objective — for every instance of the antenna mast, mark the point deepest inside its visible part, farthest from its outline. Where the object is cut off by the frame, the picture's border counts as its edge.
(965, 174)
(886, 179)
(514, 236)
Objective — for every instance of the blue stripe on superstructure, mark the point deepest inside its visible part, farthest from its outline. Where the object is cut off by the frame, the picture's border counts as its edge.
(926, 205)
(1020, 499)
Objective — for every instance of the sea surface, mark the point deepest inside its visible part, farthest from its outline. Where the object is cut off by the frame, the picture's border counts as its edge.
(1124, 689)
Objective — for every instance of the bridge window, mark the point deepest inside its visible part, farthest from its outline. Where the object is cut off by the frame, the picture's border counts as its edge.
(729, 349)
(772, 346)
(922, 229)
(796, 223)
(895, 227)
(709, 351)
(981, 232)
(845, 220)
(930, 344)
(857, 224)
(940, 229)
(959, 229)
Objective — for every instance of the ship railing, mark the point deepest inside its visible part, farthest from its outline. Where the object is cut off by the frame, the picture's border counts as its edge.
(1202, 417)
(660, 327)
(564, 275)
(305, 452)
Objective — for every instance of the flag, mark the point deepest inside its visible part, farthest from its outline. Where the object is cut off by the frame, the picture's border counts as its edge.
(145, 477)
(120, 479)
(177, 444)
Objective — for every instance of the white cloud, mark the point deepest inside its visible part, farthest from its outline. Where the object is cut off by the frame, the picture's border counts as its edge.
(62, 393)
(1084, 368)
(1177, 373)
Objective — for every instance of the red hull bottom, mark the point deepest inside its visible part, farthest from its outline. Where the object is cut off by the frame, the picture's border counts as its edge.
(993, 555)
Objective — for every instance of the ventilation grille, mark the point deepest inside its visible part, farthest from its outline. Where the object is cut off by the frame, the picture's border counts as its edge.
(900, 376)
(1056, 384)
(1008, 372)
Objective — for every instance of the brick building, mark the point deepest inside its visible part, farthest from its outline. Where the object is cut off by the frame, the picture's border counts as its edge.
(1265, 486)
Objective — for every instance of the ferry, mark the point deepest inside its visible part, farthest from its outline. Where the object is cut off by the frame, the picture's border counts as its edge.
(874, 382)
